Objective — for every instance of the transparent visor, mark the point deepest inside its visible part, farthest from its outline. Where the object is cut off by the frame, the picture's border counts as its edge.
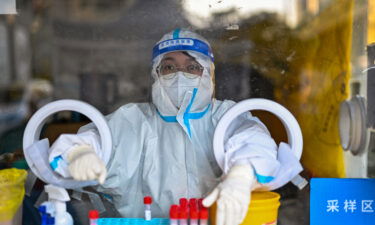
(182, 44)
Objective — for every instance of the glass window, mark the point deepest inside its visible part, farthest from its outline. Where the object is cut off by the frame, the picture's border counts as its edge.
(314, 57)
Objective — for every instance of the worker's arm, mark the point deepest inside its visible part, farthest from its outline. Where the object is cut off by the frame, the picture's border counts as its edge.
(251, 162)
(78, 156)
(248, 140)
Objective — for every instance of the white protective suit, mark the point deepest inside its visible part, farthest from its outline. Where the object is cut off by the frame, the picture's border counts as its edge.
(166, 152)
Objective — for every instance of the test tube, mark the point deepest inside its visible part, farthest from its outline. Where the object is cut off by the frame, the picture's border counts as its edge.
(183, 203)
(183, 216)
(203, 216)
(200, 204)
(194, 216)
(93, 216)
(193, 203)
(147, 202)
(173, 215)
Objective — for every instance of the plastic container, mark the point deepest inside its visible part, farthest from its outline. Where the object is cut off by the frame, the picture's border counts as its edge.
(263, 209)
(12, 191)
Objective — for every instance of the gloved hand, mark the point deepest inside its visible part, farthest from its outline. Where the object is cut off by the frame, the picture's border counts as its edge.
(85, 165)
(233, 195)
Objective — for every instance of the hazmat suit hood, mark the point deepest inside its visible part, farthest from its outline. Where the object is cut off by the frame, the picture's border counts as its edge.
(197, 99)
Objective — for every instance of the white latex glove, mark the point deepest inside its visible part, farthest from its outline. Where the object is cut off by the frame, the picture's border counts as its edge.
(232, 195)
(85, 165)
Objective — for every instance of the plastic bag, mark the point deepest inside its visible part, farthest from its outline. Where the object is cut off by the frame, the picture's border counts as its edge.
(12, 189)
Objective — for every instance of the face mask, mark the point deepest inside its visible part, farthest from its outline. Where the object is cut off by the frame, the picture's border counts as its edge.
(177, 84)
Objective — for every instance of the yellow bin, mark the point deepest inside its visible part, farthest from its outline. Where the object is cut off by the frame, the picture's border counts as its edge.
(263, 209)
(12, 191)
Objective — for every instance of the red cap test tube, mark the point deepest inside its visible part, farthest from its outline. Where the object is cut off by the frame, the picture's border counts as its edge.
(183, 203)
(93, 217)
(194, 216)
(203, 216)
(183, 216)
(173, 215)
(147, 200)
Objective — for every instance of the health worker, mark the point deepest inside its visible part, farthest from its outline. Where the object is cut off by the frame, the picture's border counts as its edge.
(164, 148)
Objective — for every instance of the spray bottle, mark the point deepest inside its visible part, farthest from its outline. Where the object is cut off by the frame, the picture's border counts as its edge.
(58, 196)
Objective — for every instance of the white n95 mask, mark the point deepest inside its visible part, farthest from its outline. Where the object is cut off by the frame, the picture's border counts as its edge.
(177, 84)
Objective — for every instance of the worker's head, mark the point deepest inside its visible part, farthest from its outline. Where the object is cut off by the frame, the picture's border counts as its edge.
(182, 61)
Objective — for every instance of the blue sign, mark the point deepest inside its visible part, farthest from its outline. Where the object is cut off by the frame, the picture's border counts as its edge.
(345, 201)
